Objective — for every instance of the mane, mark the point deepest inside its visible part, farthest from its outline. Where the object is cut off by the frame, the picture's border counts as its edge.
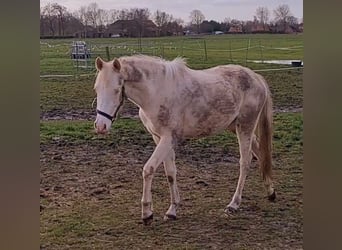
(171, 67)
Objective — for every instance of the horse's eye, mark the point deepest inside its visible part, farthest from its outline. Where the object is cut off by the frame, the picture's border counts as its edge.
(116, 91)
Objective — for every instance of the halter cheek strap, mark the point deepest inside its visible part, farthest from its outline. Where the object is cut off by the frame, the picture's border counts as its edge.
(109, 117)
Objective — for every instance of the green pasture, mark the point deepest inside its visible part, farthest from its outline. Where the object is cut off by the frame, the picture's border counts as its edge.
(67, 94)
(201, 51)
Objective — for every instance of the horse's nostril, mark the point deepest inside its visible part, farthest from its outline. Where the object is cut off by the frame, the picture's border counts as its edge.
(104, 126)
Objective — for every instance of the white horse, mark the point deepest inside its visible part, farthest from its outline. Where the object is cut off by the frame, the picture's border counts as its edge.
(177, 102)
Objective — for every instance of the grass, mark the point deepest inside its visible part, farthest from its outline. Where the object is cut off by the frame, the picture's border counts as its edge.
(66, 94)
(55, 54)
(287, 134)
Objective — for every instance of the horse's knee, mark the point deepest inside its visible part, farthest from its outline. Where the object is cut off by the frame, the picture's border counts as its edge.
(170, 179)
(245, 161)
(148, 172)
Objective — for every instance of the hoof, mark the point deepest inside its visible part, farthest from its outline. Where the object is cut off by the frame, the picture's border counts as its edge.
(230, 210)
(272, 197)
(147, 221)
(168, 217)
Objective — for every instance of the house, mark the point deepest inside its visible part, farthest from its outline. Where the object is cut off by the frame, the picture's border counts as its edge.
(85, 32)
(260, 28)
(235, 29)
(282, 28)
(90, 32)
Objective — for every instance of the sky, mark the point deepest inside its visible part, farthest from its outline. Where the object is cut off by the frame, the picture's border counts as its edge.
(216, 10)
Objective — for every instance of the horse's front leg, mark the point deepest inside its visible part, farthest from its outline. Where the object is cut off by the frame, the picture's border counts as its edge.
(171, 173)
(162, 150)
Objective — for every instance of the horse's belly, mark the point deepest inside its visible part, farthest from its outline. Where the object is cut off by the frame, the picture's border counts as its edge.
(206, 125)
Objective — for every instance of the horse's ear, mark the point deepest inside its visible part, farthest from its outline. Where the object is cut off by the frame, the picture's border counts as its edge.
(98, 63)
(116, 65)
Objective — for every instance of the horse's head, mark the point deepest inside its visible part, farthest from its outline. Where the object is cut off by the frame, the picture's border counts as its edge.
(109, 93)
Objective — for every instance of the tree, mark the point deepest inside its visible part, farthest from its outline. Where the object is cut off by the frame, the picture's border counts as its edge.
(41, 21)
(263, 15)
(161, 19)
(81, 15)
(92, 14)
(140, 15)
(226, 24)
(61, 13)
(179, 25)
(123, 14)
(197, 17)
(282, 13)
(57, 20)
(72, 25)
(113, 15)
(210, 26)
(49, 14)
(102, 17)
(292, 21)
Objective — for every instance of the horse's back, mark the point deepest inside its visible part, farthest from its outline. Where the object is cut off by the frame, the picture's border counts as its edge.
(204, 102)
(220, 95)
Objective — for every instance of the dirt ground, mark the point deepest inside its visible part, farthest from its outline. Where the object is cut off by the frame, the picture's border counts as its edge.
(91, 191)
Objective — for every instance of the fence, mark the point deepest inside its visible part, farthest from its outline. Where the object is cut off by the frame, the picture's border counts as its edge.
(200, 52)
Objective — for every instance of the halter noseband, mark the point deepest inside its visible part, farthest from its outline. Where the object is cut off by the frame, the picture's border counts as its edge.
(109, 117)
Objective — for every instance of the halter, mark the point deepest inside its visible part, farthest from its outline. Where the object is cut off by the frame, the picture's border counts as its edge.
(109, 117)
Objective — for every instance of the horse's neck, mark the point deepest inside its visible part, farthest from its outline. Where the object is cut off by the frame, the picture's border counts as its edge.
(141, 93)
(136, 94)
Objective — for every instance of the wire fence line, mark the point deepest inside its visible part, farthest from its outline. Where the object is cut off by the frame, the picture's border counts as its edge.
(131, 46)
(197, 52)
(93, 74)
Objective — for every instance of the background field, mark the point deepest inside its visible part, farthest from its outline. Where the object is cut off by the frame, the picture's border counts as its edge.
(221, 49)
(91, 185)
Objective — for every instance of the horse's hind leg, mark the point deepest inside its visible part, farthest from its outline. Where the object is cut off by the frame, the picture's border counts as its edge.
(255, 143)
(245, 135)
(170, 172)
(255, 147)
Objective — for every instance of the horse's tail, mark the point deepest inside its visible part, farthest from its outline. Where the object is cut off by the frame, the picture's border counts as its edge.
(265, 143)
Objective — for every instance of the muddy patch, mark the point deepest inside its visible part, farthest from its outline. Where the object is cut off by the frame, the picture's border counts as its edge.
(128, 110)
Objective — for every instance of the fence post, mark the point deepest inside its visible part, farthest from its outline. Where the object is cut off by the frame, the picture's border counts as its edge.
(107, 53)
(248, 44)
(262, 57)
(182, 47)
(140, 46)
(163, 53)
(205, 50)
(76, 60)
(230, 50)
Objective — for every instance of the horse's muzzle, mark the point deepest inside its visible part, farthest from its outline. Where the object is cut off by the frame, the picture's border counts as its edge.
(100, 128)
